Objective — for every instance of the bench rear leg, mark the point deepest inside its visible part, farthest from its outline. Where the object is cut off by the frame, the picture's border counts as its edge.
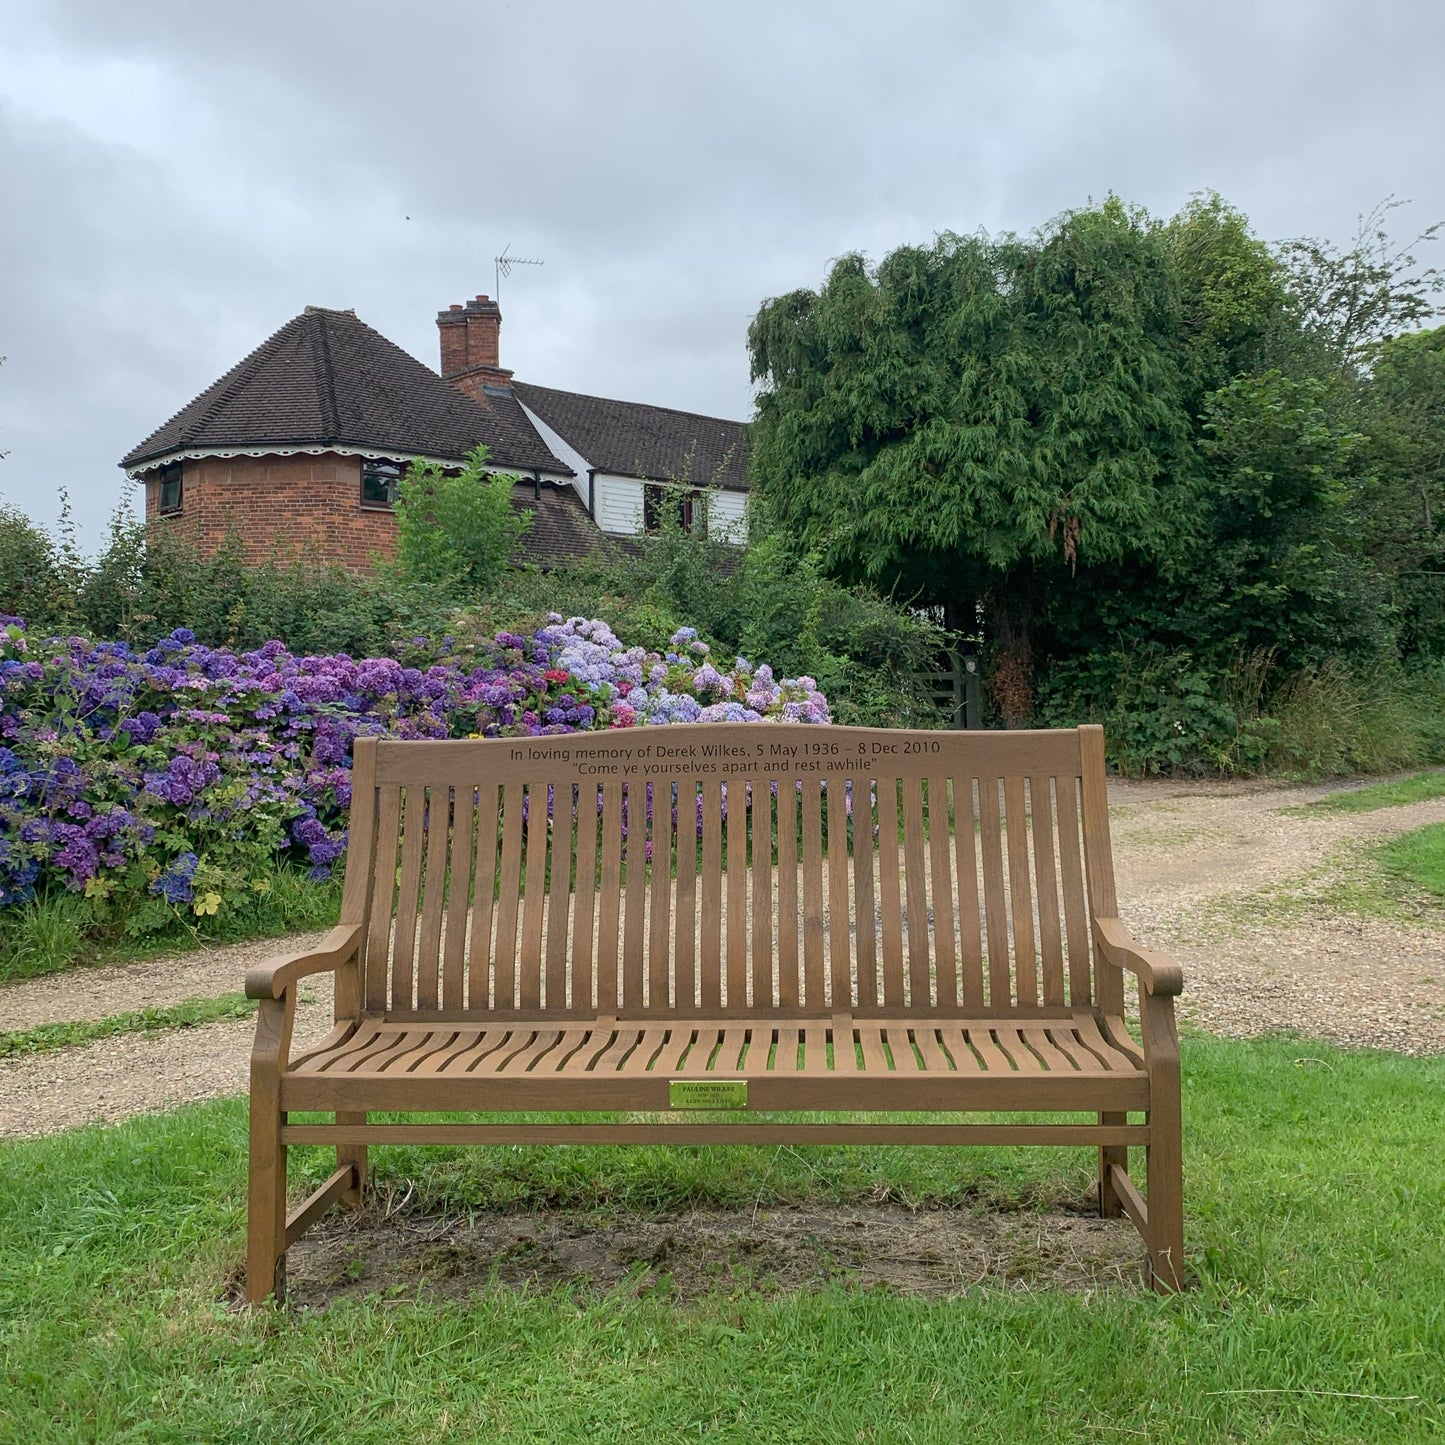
(1109, 1205)
(266, 1201)
(355, 1156)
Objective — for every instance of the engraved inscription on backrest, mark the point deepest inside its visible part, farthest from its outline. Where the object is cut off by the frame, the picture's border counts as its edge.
(725, 870)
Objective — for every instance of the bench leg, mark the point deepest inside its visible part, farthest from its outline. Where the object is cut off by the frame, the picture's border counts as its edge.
(1166, 1196)
(1109, 1205)
(355, 1156)
(266, 1201)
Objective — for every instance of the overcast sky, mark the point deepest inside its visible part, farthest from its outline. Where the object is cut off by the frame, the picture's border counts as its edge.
(180, 177)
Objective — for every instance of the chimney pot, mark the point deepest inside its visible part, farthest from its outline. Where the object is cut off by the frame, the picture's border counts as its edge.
(456, 306)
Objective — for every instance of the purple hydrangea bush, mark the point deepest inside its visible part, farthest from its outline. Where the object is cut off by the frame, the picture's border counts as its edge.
(180, 776)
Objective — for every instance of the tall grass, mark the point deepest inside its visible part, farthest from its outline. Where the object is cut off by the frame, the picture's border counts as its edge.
(1334, 721)
(59, 929)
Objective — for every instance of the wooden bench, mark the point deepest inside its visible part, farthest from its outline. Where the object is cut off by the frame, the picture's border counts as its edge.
(726, 917)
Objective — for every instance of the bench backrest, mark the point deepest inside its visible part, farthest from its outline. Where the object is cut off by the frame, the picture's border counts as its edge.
(731, 870)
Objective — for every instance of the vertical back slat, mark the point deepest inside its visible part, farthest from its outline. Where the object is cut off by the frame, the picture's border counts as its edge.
(559, 894)
(403, 949)
(1099, 861)
(915, 885)
(1021, 894)
(509, 892)
(438, 842)
(789, 982)
(484, 886)
(889, 901)
(584, 938)
(970, 936)
(383, 897)
(812, 869)
(356, 902)
(737, 895)
(659, 960)
(608, 914)
(685, 923)
(995, 906)
(710, 920)
(1051, 942)
(1076, 910)
(940, 842)
(865, 943)
(459, 888)
(534, 898)
(761, 811)
(634, 934)
(840, 947)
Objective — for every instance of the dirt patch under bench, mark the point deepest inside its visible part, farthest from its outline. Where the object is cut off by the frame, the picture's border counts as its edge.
(686, 1256)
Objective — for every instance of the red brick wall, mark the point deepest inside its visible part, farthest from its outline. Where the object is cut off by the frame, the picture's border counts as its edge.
(280, 508)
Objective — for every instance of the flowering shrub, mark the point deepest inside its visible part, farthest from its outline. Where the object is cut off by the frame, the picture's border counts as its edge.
(179, 776)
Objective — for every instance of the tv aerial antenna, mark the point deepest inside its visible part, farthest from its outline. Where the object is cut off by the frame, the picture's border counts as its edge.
(504, 264)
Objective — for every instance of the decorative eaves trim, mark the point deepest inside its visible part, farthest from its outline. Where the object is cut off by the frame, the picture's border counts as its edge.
(194, 454)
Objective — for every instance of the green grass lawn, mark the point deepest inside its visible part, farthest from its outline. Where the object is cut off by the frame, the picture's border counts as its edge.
(188, 1014)
(1418, 860)
(1316, 1219)
(1418, 788)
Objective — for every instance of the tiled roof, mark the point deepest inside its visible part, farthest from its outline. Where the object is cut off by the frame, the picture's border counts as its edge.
(630, 439)
(561, 530)
(327, 379)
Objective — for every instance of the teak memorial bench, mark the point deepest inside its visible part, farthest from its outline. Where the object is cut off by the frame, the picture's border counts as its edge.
(734, 918)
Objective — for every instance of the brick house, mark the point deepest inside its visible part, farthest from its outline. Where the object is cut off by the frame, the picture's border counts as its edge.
(297, 449)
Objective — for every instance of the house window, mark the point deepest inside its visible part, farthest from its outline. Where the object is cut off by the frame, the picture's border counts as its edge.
(169, 483)
(378, 484)
(677, 502)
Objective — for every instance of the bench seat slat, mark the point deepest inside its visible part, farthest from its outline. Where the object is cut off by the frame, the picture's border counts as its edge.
(1067, 1047)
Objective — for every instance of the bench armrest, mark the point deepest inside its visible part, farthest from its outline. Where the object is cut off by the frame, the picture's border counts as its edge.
(272, 979)
(1159, 974)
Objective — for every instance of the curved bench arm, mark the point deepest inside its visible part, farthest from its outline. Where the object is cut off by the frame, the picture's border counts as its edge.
(272, 979)
(1157, 972)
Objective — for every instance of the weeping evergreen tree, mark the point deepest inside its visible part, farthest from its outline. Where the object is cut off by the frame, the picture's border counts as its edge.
(986, 422)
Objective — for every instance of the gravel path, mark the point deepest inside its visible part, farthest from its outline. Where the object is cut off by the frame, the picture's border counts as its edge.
(1182, 850)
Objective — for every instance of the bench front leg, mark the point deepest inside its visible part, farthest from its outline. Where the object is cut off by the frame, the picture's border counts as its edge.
(1165, 1150)
(266, 1177)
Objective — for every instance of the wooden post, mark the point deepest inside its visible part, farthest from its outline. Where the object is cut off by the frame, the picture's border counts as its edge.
(972, 693)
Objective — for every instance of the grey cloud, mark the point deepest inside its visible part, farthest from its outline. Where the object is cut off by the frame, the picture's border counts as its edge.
(673, 163)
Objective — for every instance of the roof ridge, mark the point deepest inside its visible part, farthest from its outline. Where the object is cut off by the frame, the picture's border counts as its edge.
(619, 401)
(326, 389)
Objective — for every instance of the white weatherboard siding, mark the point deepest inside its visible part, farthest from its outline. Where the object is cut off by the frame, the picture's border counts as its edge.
(619, 505)
(619, 508)
(729, 513)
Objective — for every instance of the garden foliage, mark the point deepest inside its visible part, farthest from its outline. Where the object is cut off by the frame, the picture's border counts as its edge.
(1138, 460)
(169, 781)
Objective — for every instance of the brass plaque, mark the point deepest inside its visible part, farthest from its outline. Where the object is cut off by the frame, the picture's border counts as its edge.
(707, 1094)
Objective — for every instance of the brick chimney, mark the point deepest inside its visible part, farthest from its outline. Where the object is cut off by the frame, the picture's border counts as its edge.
(470, 345)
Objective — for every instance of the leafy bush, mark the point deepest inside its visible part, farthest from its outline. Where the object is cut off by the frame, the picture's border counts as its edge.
(457, 531)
